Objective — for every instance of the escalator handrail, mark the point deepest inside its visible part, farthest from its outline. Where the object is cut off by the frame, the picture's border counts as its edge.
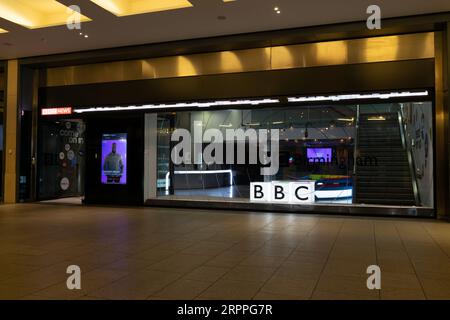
(410, 154)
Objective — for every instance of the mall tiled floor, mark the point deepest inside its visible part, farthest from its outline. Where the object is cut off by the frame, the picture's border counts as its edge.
(153, 253)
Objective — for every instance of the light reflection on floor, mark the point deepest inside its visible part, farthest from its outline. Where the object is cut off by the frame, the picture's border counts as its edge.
(233, 193)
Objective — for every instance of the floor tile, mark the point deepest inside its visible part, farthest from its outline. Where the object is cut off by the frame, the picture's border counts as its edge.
(231, 290)
(206, 273)
(249, 273)
(165, 253)
(183, 289)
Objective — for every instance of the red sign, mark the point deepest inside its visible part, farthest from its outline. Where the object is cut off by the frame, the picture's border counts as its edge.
(56, 111)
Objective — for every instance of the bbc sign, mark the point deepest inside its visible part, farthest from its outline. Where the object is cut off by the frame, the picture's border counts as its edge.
(298, 192)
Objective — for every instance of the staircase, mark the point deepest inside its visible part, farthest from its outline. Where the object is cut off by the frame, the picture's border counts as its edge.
(383, 174)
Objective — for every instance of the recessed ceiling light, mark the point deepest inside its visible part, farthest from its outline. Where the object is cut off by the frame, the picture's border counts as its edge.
(130, 7)
(34, 14)
(86, 36)
(3, 30)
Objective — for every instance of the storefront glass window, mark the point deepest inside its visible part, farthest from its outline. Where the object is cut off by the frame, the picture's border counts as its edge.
(61, 159)
(377, 154)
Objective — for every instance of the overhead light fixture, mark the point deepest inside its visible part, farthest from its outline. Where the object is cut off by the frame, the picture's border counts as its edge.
(34, 14)
(346, 119)
(277, 10)
(225, 125)
(181, 105)
(3, 30)
(278, 122)
(376, 118)
(130, 7)
(403, 94)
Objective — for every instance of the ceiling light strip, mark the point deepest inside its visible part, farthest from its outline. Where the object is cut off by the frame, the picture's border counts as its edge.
(180, 105)
(341, 97)
(131, 7)
(34, 14)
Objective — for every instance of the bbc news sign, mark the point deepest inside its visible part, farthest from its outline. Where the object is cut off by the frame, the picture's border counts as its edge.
(297, 192)
(56, 111)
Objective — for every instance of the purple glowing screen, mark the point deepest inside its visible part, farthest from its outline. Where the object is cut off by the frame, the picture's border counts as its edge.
(316, 154)
(114, 158)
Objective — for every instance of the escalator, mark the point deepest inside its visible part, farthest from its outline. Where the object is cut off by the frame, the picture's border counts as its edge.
(383, 170)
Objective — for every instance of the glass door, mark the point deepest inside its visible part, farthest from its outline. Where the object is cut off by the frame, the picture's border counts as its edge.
(61, 159)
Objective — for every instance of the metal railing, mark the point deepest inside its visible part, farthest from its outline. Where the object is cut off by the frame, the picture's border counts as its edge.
(355, 153)
(411, 160)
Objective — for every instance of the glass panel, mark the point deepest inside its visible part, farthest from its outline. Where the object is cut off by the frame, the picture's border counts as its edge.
(163, 157)
(61, 159)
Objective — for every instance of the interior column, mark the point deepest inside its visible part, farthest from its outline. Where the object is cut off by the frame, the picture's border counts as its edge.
(11, 132)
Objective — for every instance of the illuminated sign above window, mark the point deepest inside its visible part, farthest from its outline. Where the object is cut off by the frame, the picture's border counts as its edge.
(56, 111)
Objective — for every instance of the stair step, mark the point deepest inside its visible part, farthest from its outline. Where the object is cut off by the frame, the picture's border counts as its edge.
(384, 157)
(378, 169)
(384, 154)
(399, 202)
(396, 142)
(380, 179)
(375, 144)
(386, 197)
(386, 178)
(405, 188)
(379, 138)
(377, 184)
(392, 175)
(378, 123)
(379, 130)
(371, 137)
(361, 171)
(389, 181)
(374, 125)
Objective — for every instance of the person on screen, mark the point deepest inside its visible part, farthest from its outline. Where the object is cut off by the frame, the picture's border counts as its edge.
(113, 165)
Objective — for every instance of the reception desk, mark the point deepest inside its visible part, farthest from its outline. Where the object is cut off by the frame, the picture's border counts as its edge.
(200, 179)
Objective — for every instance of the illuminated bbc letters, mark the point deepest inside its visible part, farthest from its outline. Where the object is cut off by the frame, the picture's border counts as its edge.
(260, 191)
(280, 192)
(298, 192)
(302, 192)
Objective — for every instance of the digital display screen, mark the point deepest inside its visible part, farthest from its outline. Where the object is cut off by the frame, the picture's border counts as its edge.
(319, 154)
(114, 158)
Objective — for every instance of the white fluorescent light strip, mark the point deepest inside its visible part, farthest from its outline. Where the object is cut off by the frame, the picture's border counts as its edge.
(346, 119)
(180, 105)
(340, 97)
